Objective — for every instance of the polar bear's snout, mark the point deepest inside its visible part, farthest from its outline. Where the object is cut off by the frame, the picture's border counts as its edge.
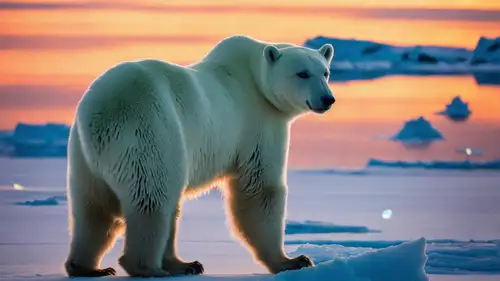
(327, 100)
(322, 103)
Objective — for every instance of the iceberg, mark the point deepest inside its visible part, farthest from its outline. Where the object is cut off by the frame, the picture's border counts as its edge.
(417, 133)
(487, 51)
(456, 110)
(32, 140)
(363, 59)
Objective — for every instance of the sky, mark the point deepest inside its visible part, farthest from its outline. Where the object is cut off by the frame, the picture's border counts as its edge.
(50, 51)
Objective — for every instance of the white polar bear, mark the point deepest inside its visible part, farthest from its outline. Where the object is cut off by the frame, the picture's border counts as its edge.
(148, 134)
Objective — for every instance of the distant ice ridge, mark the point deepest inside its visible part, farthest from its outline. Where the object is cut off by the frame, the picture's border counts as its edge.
(444, 165)
(444, 256)
(377, 167)
(362, 59)
(317, 227)
(50, 201)
(417, 132)
(456, 110)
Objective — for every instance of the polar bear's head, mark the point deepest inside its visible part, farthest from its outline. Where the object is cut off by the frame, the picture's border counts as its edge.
(296, 78)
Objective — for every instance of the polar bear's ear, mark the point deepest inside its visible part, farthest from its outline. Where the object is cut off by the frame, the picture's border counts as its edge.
(271, 53)
(327, 52)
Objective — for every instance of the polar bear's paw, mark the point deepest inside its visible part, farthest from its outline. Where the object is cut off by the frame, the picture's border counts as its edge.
(75, 270)
(294, 264)
(177, 267)
(138, 269)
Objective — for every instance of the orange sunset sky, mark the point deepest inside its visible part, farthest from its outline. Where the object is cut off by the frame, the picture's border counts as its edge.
(51, 50)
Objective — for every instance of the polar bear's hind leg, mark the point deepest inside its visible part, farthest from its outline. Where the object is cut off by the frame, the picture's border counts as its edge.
(149, 181)
(93, 210)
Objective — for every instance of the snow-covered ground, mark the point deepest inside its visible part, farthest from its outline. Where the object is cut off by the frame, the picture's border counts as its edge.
(329, 216)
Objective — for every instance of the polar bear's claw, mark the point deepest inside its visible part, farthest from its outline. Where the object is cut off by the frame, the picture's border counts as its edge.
(80, 271)
(195, 268)
(184, 268)
(296, 263)
(303, 261)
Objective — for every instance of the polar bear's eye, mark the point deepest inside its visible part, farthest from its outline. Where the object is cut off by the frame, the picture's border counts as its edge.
(304, 74)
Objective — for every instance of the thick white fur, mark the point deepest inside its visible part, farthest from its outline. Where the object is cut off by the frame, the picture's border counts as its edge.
(148, 134)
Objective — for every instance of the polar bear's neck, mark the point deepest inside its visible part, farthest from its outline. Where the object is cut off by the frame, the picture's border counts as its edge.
(243, 56)
(239, 52)
(235, 48)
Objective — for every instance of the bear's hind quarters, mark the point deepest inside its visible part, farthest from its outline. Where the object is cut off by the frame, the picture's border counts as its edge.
(75, 270)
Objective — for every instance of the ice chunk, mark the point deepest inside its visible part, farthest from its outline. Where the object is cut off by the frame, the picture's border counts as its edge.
(417, 132)
(457, 110)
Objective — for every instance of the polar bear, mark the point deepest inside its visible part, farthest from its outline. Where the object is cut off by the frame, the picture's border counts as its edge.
(149, 134)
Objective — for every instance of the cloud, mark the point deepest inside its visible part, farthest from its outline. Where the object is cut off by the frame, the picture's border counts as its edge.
(432, 14)
(38, 96)
(383, 13)
(81, 42)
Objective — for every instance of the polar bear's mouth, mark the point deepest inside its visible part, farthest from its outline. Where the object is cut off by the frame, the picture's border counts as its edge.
(317, 110)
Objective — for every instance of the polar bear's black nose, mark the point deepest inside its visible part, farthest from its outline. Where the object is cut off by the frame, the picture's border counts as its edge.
(327, 100)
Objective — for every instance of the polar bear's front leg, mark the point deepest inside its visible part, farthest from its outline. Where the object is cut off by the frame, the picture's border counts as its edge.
(257, 215)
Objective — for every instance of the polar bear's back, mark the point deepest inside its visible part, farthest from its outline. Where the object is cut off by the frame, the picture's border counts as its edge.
(127, 104)
(148, 100)
(137, 83)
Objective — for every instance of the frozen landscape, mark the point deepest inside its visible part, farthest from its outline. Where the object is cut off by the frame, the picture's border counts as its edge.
(398, 182)
(444, 222)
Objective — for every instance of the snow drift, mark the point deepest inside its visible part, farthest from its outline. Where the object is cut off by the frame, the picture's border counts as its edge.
(444, 256)
(395, 263)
